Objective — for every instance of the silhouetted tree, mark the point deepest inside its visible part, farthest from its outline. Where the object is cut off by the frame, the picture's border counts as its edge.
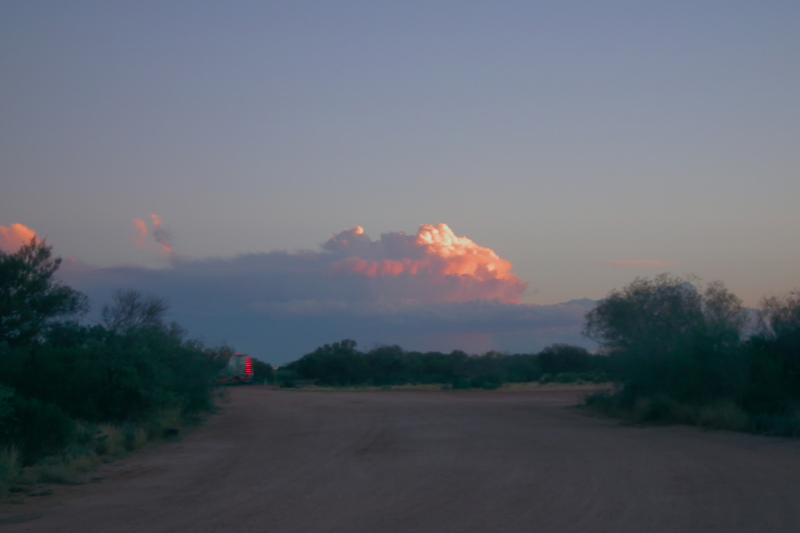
(723, 308)
(30, 298)
(131, 310)
(781, 331)
(665, 337)
(648, 315)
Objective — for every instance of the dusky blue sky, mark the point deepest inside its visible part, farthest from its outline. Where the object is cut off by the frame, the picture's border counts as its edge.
(565, 136)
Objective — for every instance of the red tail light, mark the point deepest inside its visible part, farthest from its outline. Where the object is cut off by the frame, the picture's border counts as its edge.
(248, 367)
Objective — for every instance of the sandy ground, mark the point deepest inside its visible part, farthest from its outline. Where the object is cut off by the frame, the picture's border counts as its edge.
(431, 462)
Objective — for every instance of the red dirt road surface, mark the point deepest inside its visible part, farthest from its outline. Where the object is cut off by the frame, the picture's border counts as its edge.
(280, 461)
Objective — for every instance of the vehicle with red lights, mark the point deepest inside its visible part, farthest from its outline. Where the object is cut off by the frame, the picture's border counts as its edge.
(239, 370)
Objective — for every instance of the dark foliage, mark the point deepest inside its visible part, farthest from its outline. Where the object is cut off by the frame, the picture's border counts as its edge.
(29, 296)
(95, 375)
(53, 371)
(670, 344)
(560, 358)
(262, 372)
(6, 410)
(38, 428)
(131, 311)
(341, 364)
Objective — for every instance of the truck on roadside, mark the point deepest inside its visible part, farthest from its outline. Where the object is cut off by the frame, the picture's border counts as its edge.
(238, 371)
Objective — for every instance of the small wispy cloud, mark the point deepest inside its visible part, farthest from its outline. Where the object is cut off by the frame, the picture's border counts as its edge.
(643, 263)
(159, 233)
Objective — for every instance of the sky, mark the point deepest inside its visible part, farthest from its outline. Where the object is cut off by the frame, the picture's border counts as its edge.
(581, 143)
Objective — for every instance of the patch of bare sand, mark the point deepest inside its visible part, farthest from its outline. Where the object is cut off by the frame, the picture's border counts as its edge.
(468, 461)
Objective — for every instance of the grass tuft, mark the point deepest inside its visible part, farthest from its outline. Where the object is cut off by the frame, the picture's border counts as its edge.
(110, 442)
(55, 472)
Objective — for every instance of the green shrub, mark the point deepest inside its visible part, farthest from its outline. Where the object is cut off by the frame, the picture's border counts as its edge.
(722, 414)
(40, 429)
(287, 378)
(462, 384)
(653, 409)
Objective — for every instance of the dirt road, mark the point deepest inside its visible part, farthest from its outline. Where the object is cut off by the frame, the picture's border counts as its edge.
(278, 461)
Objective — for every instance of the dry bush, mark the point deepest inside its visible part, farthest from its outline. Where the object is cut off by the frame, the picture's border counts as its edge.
(135, 437)
(85, 463)
(54, 472)
(110, 442)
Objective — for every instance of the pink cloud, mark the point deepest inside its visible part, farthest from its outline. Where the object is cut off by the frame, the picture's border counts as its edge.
(433, 265)
(14, 236)
(160, 234)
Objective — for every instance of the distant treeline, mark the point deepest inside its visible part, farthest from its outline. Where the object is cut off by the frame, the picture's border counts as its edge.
(341, 364)
(677, 352)
(63, 384)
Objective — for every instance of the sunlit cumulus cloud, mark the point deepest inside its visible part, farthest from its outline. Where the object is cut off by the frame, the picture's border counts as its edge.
(433, 265)
(14, 236)
(432, 290)
(642, 263)
(160, 235)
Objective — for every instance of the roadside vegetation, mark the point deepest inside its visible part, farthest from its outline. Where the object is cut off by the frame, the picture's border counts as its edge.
(342, 365)
(73, 395)
(676, 352)
(685, 354)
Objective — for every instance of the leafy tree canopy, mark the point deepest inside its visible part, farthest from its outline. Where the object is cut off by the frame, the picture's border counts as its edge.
(30, 298)
(653, 316)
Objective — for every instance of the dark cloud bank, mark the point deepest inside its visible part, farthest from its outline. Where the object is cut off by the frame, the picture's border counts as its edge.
(278, 306)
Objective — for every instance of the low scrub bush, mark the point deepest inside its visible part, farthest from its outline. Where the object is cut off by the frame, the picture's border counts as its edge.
(136, 381)
(461, 384)
(84, 463)
(53, 470)
(10, 468)
(135, 437)
(39, 428)
(110, 442)
(653, 409)
(722, 414)
(287, 378)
